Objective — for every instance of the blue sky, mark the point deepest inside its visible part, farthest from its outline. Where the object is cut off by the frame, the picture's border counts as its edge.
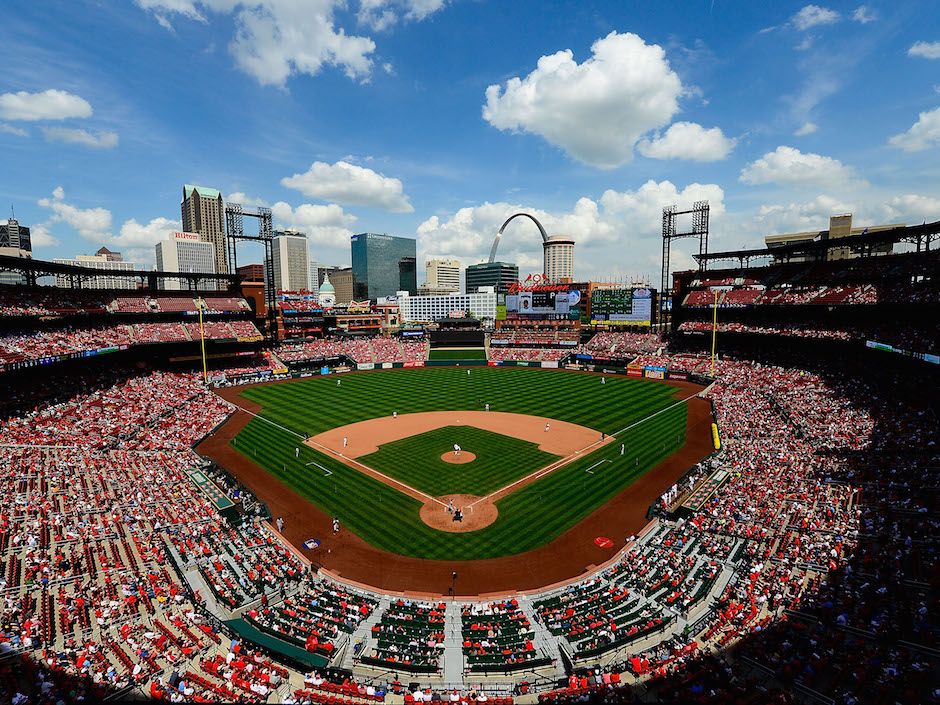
(436, 119)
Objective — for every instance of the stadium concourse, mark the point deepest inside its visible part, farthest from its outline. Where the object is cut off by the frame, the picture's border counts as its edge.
(797, 563)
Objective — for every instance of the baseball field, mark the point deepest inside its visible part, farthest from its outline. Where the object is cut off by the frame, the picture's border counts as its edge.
(534, 505)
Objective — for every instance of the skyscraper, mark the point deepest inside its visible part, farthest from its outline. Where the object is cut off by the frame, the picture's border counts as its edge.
(291, 255)
(383, 265)
(442, 275)
(203, 212)
(498, 275)
(187, 253)
(558, 262)
(15, 236)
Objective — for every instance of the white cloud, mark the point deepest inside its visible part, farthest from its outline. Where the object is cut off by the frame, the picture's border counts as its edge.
(11, 130)
(137, 235)
(806, 43)
(788, 165)
(923, 134)
(603, 229)
(39, 236)
(48, 105)
(382, 14)
(349, 184)
(96, 140)
(597, 110)
(94, 224)
(91, 223)
(245, 200)
(813, 16)
(688, 140)
(277, 39)
(807, 128)
(864, 14)
(925, 50)
(327, 226)
(799, 217)
(912, 208)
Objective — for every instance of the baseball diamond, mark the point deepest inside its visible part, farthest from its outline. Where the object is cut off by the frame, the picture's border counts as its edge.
(537, 496)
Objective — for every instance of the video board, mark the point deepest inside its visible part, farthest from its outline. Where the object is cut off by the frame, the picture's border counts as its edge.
(622, 307)
(557, 302)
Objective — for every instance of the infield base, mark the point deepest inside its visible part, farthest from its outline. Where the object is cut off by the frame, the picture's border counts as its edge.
(477, 513)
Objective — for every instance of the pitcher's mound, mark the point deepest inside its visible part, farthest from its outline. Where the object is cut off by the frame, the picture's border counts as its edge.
(477, 513)
(464, 457)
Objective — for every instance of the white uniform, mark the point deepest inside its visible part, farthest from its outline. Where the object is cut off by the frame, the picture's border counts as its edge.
(345, 441)
(456, 449)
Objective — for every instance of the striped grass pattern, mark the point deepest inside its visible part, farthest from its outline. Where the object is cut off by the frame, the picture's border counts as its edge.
(417, 462)
(529, 517)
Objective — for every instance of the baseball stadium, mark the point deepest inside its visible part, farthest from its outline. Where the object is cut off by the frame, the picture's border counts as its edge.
(609, 493)
(479, 352)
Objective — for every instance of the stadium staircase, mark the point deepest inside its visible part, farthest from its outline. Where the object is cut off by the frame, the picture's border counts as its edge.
(363, 633)
(545, 642)
(453, 644)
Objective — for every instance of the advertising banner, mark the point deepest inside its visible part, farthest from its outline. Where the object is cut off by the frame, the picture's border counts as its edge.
(550, 364)
(365, 366)
(492, 363)
(655, 372)
(414, 363)
(678, 375)
(387, 365)
(634, 371)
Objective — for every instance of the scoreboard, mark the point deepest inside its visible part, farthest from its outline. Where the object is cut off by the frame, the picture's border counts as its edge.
(622, 307)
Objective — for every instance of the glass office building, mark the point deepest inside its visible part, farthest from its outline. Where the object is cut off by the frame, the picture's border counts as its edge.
(383, 265)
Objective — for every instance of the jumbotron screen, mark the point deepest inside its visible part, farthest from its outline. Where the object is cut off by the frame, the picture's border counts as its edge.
(622, 307)
(544, 302)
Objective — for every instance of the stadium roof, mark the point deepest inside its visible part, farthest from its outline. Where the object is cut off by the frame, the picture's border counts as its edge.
(862, 241)
(37, 268)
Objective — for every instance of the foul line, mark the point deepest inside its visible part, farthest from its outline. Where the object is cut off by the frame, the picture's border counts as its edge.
(539, 474)
(326, 470)
(343, 458)
(599, 462)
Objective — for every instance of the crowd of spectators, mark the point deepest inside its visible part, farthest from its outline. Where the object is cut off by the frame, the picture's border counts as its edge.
(409, 637)
(41, 344)
(621, 345)
(359, 350)
(534, 338)
(527, 354)
(793, 330)
(498, 637)
(844, 295)
(48, 301)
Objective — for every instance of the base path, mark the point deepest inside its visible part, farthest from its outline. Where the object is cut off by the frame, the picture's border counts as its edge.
(364, 437)
(568, 557)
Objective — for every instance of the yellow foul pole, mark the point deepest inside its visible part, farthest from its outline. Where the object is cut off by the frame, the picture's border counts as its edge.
(714, 329)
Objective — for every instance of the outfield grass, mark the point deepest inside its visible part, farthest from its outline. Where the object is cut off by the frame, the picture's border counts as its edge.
(417, 462)
(457, 354)
(529, 518)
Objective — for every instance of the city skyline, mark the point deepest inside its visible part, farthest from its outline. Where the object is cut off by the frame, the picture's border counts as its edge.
(830, 108)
